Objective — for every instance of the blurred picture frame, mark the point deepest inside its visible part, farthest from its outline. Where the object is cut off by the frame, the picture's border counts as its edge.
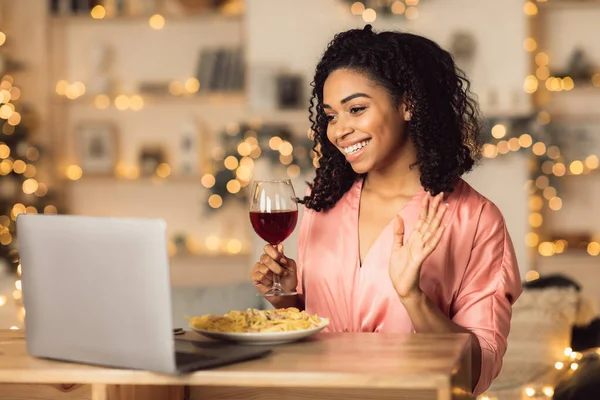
(97, 147)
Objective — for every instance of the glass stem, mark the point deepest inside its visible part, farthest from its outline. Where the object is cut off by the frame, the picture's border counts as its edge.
(276, 283)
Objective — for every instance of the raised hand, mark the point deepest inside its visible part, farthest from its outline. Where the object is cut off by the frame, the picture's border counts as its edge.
(407, 258)
(273, 261)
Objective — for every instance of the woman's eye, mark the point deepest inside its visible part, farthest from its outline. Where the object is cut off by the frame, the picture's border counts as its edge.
(330, 118)
(356, 110)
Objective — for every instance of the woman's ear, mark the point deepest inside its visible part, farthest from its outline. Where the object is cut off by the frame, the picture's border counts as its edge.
(405, 109)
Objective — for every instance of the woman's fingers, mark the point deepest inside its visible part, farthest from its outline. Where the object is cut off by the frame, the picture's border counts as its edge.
(261, 274)
(437, 221)
(429, 210)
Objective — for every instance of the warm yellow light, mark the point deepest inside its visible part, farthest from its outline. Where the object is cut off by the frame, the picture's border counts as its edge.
(574, 366)
(215, 201)
(548, 391)
(244, 149)
(503, 147)
(15, 93)
(532, 239)
(542, 73)
(17, 295)
(192, 85)
(499, 131)
(42, 190)
(212, 243)
(50, 210)
(530, 392)
(543, 117)
(559, 169)
(61, 87)
(208, 181)
(3, 300)
(122, 102)
(14, 119)
(18, 285)
(530, 44)
(398, 7)
(531, 84)
(559, 365)
(14, 328)
(546, 249)
(542, 59)
(596, 80)
(593, 248)
(157, 21)
(560, 246)
(293, 171)
(98, 12)
(369, 15)
(542, 182)
(412, 2)
(591, 162)
(553, 152)
(234, 246)
(532, 275)
(233, 186)
(411, 13)
(567, 83)
(176, 88)
(539, 149)
(547, 167)
(74, 172)
(5, 238)
(576, 167)
(275, 142)
(6, 111)
(513, 144)
(243, 173)
(30, 186)
(136, 102)
(247, 162)
(286, 148)
(4, 151)
(163, 170)
(555, 203)
(490, 150)
(231, 163)
(536, 203)
(567, 351)
(102, 101)
(357, 8)
(2, 38)
(525, 140)
(19, 166)
(536, 220)
(549, 192)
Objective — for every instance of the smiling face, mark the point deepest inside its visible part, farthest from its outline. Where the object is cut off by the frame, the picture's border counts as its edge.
(365, 124)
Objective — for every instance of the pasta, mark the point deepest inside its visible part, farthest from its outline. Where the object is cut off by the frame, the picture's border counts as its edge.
(253, 320)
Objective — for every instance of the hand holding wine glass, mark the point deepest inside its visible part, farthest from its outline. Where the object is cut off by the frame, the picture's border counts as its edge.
(273, 214)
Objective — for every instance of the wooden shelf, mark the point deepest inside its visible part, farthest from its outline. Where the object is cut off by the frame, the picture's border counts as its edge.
(143, 180)
(124, 19)
(568, 4)
(213, 98)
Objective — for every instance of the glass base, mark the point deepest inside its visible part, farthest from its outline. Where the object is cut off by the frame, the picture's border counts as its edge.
(277, 292)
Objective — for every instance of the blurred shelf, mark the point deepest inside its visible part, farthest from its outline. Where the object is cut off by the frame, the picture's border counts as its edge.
(124, 19)
(568, 4)
(210, 270)
(215, 98)
(144, 180)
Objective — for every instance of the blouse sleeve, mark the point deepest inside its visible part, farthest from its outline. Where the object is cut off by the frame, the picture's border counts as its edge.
(490, 286)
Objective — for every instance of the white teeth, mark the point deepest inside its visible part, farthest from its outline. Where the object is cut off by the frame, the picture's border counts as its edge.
(354, 148)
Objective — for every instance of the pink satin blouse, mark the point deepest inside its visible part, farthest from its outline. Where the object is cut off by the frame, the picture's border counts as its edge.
(472, 275)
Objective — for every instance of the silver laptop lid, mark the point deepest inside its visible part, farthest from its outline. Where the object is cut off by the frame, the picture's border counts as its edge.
(97, 290)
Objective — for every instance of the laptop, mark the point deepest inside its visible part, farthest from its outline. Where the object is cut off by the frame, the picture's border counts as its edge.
(97, 291)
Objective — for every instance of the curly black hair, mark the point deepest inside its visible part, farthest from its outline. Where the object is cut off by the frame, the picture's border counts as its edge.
(445, 126)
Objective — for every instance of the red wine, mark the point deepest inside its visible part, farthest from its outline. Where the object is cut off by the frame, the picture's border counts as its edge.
(274, 227)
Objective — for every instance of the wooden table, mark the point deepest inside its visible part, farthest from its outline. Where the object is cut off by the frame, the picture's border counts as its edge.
(349, 366)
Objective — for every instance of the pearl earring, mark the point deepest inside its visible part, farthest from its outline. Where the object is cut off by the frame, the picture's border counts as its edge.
(407, 116)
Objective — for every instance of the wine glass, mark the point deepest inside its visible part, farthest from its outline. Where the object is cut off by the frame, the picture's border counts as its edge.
(273, 214)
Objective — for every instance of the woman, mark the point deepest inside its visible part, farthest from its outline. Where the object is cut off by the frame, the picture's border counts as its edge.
(392, 239)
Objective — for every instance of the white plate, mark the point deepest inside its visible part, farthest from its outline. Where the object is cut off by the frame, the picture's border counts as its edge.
(264, 338)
